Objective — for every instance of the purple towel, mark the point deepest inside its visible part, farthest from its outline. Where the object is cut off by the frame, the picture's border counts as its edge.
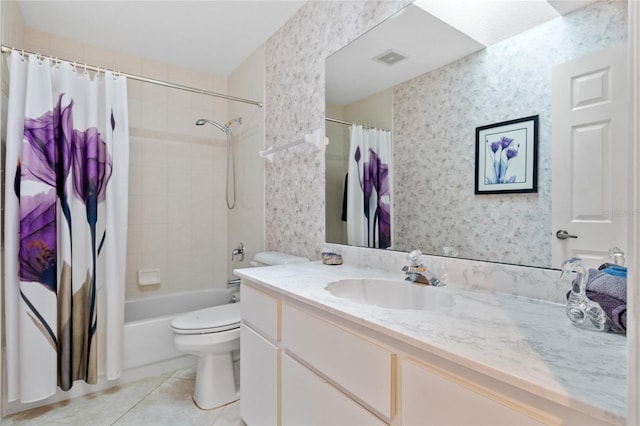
(604, 283)
(615, 309)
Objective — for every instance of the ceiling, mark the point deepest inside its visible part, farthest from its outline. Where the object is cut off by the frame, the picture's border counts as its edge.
(211, 36)
(215, 36)
(431, 34)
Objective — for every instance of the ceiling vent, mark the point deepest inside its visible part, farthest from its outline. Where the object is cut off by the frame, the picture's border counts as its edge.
(390, 57)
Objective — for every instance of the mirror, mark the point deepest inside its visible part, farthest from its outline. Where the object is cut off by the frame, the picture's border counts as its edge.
(432, 102)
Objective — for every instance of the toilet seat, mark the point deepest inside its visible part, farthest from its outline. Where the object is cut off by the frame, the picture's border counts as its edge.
(209, 320)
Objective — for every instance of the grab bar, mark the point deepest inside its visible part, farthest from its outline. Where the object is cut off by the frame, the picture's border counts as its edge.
(315, 138)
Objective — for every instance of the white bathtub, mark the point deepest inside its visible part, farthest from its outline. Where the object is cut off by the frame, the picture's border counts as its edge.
(148, 342)
(148, 338)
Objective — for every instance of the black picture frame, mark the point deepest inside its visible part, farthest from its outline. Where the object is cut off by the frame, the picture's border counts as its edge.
(507, 157)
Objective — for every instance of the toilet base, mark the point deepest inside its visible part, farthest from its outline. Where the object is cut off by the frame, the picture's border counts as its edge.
(215, 381)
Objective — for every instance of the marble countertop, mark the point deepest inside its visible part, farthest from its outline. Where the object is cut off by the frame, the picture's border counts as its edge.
(524, 342)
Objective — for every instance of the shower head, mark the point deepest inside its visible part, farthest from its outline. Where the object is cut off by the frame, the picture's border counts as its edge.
(230, 155)
(227, 126)
(203, 121)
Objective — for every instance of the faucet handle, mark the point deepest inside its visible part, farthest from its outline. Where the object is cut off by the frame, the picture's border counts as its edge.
(414, 257)
(616, 255)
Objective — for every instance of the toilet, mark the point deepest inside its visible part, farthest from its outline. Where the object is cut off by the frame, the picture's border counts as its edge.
(213, 334)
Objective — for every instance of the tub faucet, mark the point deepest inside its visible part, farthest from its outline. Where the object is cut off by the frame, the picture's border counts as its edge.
(418, 273)
(238, 251)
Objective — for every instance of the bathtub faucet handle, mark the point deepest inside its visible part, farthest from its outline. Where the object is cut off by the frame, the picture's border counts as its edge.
(238, 251)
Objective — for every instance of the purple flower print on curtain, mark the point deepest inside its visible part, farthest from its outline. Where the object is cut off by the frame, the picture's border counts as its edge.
(375, 176)
(366, 185)
(46, 156)
(51, 151)
(380, 173)
(37, 252)
(92, 169)
(91, 172)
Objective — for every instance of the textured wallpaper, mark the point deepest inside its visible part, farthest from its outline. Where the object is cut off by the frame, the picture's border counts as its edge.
(435, 116)
(294, 106)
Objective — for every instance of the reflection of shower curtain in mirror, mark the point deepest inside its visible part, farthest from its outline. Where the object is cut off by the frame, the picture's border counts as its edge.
(65, 226)
(369, 188)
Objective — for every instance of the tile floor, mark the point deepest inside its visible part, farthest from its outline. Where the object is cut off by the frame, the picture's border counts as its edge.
(163, 400)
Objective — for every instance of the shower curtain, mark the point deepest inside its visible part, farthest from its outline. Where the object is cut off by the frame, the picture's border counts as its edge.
(369, 183)
(66, 198)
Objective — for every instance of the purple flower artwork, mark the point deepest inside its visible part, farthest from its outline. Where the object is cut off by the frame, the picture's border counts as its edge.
(68, 164)
(507, 156)
(503, 153)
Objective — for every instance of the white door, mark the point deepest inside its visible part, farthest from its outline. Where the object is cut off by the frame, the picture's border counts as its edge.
(591, 156)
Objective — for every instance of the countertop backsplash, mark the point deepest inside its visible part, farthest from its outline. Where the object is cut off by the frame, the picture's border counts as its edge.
(534, 283)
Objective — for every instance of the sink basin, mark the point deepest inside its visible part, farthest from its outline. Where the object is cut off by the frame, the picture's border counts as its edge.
(391, 294)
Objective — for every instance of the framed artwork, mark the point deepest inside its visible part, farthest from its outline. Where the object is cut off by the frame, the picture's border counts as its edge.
(506, 157)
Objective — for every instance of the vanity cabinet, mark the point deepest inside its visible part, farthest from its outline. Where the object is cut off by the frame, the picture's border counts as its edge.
(259, 357)
(303, 365)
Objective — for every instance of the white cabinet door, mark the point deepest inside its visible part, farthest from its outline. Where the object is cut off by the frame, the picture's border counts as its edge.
(429, 398)
(309, 400)
(258, 379)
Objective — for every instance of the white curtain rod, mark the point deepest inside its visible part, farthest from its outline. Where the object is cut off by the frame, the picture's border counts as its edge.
(6, 49)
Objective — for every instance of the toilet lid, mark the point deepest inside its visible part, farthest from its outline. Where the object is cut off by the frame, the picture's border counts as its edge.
(208, 320)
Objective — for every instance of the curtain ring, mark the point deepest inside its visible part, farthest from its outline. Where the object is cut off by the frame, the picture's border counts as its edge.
(85, 68)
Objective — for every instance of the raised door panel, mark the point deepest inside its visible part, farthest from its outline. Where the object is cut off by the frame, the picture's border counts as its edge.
(309, 400)
(361, 367)
(432, 397)
(261, 311)
(259, 361)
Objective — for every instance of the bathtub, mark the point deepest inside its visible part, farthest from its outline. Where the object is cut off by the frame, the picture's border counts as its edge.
(148, 338)
(148, 342)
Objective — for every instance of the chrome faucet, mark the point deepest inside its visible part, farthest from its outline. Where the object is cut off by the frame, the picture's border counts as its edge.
(238, 251)
(418, 273)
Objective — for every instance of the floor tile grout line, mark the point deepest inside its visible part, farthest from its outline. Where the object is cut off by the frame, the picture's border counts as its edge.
(140, 400)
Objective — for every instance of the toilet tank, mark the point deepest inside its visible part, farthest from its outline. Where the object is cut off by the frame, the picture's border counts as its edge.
(268, 258)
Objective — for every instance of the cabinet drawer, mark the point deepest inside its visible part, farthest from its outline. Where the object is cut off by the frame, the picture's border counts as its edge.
(362, 368)
(261, 311)
(309, 400)
(431, 396)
